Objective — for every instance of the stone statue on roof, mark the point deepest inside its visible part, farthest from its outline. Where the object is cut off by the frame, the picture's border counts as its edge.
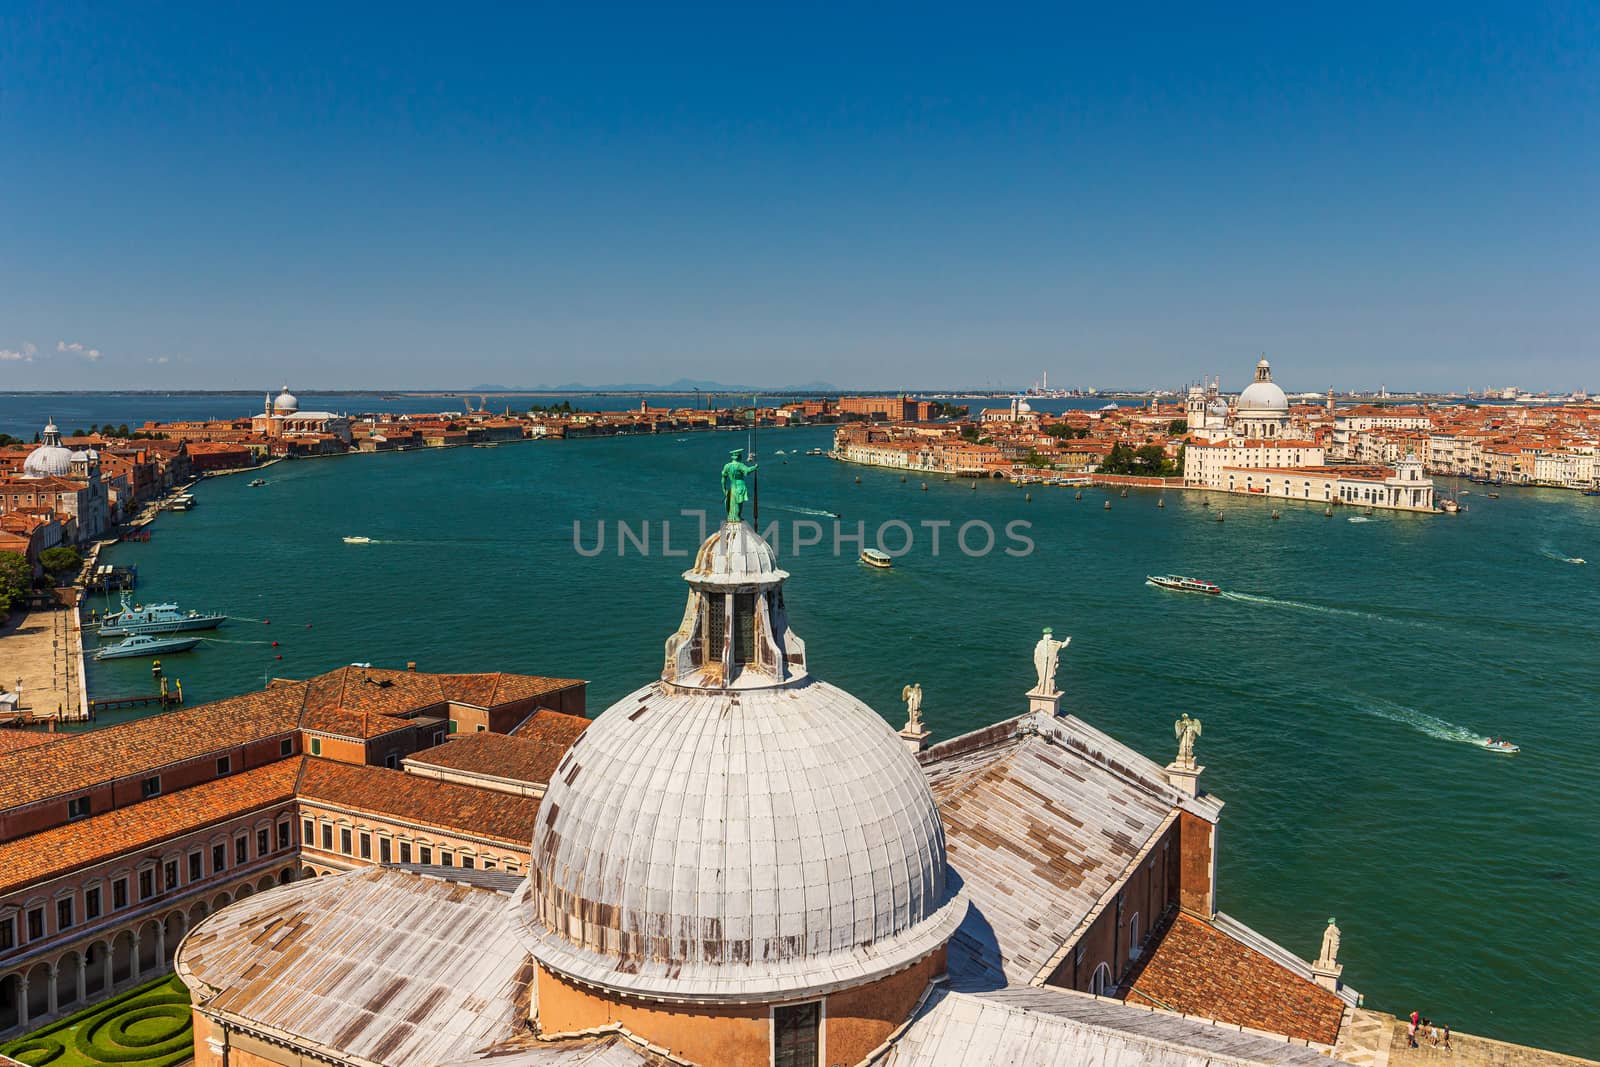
(1186, 730)
(912, 695)
(735, 488)
(1046, 657)
(1330, 946)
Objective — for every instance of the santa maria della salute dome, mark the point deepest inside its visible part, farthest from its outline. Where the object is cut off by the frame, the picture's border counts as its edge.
(738, 829)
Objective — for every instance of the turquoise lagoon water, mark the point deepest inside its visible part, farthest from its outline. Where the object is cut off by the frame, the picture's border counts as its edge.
(1343, 682)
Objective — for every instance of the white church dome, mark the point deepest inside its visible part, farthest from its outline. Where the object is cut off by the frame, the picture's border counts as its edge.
(704, 841)
(1263, 394)
(768, 843)
(286, 403)
(51, 459)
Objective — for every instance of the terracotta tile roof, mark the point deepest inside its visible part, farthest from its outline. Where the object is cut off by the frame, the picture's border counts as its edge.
(352, 701)
(1199, 970)
(77, 761)
(417, 799)
(530, 755)
(125, 831)
(13, 740)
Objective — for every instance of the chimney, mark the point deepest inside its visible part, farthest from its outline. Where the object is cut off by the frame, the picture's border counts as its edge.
(411, 665)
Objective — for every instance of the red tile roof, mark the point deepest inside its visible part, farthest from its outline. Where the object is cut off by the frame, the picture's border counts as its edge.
(13, 740)
(1199, 970)
(416, 799)
(125, 831)
(352, 702)
(530, 754)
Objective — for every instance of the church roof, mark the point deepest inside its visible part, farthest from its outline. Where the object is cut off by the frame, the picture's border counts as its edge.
(1198, 969)
(1042, 817)
(1059, 1028)
(380, 964)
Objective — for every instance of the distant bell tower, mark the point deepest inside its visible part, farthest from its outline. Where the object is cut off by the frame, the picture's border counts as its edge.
(1330, 400)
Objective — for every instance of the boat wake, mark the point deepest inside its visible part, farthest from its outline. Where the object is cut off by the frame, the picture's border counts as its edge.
(1358, 518)
(1559, 558)
(1301, 605)
(806, 511)
(1422, 722)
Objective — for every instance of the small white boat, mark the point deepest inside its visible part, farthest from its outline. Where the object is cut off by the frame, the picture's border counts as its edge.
(874, 558)
(358, 540)
(1497, 744)
(146, 645)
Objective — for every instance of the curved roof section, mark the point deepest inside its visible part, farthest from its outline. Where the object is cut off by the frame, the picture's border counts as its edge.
(750, 845)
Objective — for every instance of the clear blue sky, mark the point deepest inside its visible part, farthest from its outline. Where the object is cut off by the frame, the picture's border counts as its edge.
(218, 196)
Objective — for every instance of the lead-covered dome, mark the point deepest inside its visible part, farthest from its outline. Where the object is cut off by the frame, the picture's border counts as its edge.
(286, 403)
(1263, 394)
(737, 830)
(51, 459)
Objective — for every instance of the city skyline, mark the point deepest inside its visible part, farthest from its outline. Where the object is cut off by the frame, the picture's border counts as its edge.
(1369, 196)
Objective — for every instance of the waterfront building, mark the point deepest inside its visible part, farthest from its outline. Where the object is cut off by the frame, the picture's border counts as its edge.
(740, 864)
(1260, 447)
(62, 481)
(114, 843)
(281, 419)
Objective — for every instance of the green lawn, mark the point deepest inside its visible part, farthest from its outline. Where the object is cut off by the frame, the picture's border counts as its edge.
(145, 1027)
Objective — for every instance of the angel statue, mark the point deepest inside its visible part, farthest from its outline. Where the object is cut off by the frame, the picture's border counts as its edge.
(912, 695)
(1186, 730)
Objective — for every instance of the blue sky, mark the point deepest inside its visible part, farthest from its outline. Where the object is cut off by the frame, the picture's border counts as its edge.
(874, 196)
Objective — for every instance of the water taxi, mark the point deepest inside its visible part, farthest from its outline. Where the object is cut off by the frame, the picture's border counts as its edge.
(156, 619)
(146, 645)
(1182, 584)
(358, 540)
(256, 483)
(874, 558)
(1496, 744)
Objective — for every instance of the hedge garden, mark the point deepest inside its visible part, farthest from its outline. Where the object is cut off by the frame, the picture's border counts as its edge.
(145, 1027)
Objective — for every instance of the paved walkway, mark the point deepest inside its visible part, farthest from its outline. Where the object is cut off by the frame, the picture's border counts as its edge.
(1376, 1039)
(1469, 1051)
(41, 648)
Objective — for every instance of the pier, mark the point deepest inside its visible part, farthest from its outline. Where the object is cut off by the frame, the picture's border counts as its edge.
(41, 668)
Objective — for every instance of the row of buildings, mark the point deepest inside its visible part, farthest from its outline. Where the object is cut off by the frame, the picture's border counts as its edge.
(115, 843)
(73, 490)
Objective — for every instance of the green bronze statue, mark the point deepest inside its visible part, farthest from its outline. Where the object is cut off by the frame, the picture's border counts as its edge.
(735, 488)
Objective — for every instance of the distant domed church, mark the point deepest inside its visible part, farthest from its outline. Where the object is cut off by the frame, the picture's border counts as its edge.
(739, 864)
(65, 481)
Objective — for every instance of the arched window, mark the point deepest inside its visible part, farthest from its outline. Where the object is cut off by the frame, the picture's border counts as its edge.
(1133, 937)
(1101, 984)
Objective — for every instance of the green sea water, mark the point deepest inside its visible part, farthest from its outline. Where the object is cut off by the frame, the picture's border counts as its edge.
(1345, 680)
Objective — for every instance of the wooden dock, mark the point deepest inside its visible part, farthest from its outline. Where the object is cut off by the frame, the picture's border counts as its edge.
(166, 700)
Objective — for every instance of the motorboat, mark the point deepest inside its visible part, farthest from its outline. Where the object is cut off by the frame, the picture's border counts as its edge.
(146, 645)
(156, 619)
(256, 483)
(1497, 744)
(358, 540)
(872, 557)
(1182, 584)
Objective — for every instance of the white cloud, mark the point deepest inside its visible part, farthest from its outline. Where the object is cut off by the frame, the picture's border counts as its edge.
(86, 352)
(18, 355)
